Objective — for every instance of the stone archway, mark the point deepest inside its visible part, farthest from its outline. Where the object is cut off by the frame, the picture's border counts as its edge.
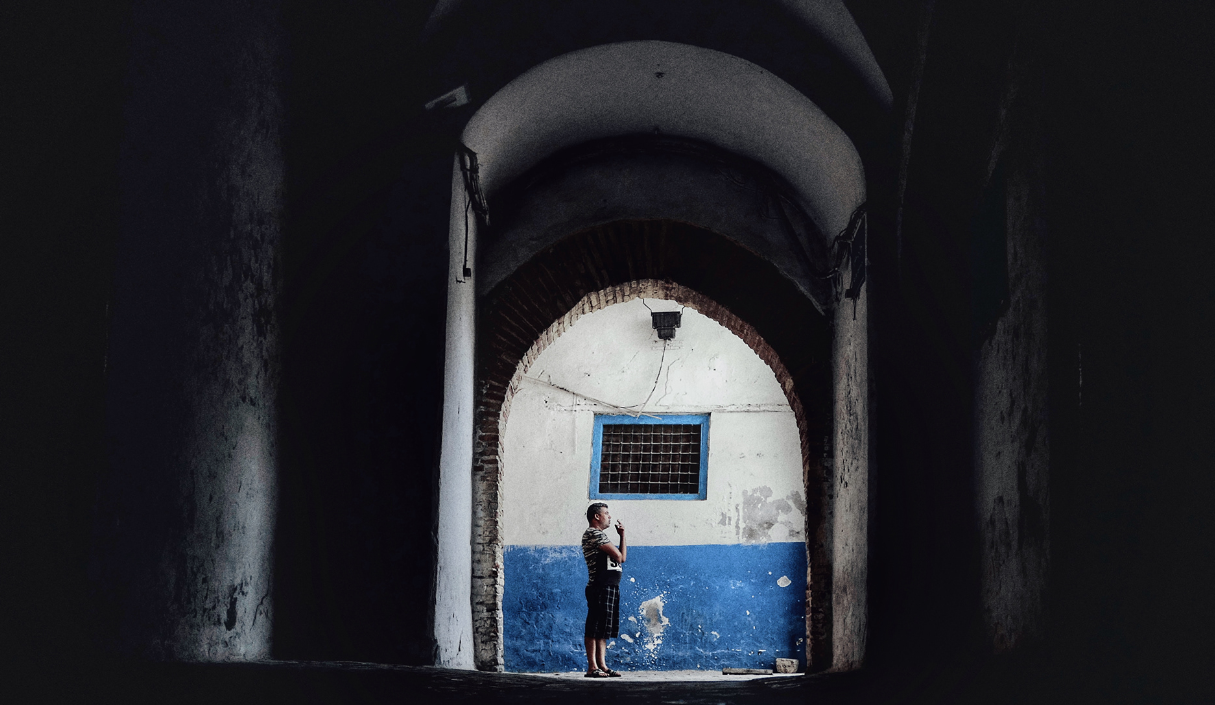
(609, 91)
(610, 264)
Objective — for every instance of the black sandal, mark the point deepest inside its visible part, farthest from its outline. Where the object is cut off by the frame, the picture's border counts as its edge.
(613, 674)
(595, 674)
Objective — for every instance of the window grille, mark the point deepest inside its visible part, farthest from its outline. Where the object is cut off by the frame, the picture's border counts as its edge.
(649, 457)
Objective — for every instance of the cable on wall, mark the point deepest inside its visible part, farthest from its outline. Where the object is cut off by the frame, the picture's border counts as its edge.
(584, 396)
(846, 247)
(474, 196)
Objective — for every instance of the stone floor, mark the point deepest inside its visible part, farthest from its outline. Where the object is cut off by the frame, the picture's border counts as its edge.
(339, 683)
(364, 683)
(666, 677)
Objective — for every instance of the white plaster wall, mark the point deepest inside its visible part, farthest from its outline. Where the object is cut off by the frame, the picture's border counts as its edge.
(453, 627)
(612, 357)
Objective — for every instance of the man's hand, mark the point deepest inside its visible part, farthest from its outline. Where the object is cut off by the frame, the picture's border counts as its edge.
(620, 528)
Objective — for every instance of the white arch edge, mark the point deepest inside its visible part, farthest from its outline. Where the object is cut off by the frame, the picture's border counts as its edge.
(676, 89)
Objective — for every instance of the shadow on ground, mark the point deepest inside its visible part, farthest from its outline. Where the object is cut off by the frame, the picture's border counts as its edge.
(364, 683)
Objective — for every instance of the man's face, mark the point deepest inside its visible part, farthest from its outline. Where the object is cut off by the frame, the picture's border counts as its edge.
(603, 519)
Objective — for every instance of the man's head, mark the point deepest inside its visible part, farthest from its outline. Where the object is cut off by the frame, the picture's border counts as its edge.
(597, 515)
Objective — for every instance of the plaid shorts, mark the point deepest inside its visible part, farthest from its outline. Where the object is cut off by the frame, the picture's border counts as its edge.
(602, 611)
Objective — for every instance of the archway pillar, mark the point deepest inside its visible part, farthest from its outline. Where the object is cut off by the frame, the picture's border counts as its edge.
(452, 601)
(847, 482)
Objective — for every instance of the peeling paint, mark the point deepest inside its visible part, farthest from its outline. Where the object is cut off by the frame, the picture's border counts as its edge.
(784, 581)
(798, 502)
(761, 513)
(655, 622)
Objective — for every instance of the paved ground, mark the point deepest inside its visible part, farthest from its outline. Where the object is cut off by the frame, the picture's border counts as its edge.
(339, 683)
(364, 683)
(666, 677)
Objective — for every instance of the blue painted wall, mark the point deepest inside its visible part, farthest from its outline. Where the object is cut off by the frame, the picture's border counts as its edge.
(706, 589)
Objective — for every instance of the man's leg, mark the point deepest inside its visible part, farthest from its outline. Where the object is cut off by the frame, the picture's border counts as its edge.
(591, 653)
(601, 648)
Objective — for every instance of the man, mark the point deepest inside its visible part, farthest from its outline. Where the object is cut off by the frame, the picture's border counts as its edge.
(603, 566)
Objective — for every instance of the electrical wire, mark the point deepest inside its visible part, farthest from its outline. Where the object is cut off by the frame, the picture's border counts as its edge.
(584, 396)
(657, 377)
(661, 362)
(467, 203)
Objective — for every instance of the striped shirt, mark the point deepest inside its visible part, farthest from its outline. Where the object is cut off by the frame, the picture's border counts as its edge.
(600, 567)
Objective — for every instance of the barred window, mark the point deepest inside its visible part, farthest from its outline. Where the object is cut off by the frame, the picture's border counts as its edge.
(649, 457)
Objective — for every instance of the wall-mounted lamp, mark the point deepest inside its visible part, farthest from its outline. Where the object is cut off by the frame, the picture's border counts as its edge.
(665, 322)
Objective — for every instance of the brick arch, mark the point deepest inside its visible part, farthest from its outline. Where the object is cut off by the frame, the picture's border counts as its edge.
(613, 263)
(647, 289)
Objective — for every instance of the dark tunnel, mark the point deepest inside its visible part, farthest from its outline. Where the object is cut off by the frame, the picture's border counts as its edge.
(260, 317)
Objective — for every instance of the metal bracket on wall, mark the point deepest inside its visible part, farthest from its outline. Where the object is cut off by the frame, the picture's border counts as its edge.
(472, 191)
(472, 181)
(849, 245)
(859, 258)
(454, 98)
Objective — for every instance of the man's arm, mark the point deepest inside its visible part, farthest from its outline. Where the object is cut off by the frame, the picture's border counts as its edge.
(618, 554)
(613, 552)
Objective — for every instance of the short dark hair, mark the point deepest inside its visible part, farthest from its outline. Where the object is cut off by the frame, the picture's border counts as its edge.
(593, 511)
